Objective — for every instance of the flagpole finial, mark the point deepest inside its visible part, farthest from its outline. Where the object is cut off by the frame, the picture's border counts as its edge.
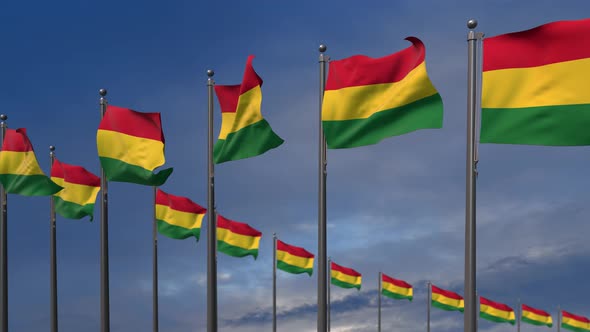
(3, 117)
(51, 148)
(323, 48)
(472, 23)
(102, 92)
(210, 73)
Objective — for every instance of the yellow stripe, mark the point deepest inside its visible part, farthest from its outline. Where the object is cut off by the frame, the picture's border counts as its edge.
(575, 323)
(144, 152)
(562, 83)
(346, 278)
(534, 316)
(447, 300)
(247, 113)
(398, 290)
(302, 262)
(361, 102)
(76, 193)
(238, 240)
(19, 163)
(509, 315)
(178, 218)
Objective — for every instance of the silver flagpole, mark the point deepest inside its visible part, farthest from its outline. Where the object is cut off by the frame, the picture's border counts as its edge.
(274, 282)
(428, 304)
(155, 270)
(3, 243)
(211, 220)
(470, 317)
(558, 319)
(519, 316)
(329, 286)
(52, 254)
(323, 324)
(379, 302)
(105, 320)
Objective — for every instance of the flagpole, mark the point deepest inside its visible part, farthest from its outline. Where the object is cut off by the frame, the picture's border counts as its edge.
(3, 243)
(470, 317)
(211, 220)
(155, 269)
(379, 303)
(323, 287)
(274, 282)
(52, 254)
(428, 304)
(519, 312)
(329, 288)
(104, 237)
(558, 318)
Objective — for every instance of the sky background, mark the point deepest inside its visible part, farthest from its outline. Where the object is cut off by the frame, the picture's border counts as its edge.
(396, 207)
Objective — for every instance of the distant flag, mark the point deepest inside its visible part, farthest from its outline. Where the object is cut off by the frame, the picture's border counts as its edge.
(496, 311)
(131, 145)
(345, 277)
(80, 188)
(236, 238)
(534, 86)
(369, 99)
(19, 170)
(395, 288)
(573, 322)
(447, 300)
(294, 259)
(244, 132)
(178, 217)
(536, 316)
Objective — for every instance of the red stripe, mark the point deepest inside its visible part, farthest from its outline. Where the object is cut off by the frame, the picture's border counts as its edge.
(74, 174)
(16, 140)
(237, 227)
(549, 43)
(178, 203)
(344, 270)
(293, 250)
(133, 123)
(397, 282)
(535, 311)
(360, 70)
(228, 95)
(446, 293)
(496, 305)
(575, 317)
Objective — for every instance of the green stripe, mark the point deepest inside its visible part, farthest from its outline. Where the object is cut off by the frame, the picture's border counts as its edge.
(445, 306)
(29, 185)
(177, 232)
(495, 318)
(564, 125)
(573, 328)
(119, 171)
(72, 210)
(228, 249)
(422, 114)
(396, 295)
(344, 284)
(536, 322)
(247, 142)
(293, 269)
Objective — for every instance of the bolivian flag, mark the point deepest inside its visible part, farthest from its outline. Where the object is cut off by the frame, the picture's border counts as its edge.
(19, 170)
(236, 238)
(81, 187)
(131, 145)
(395, 288)
(536, 316)
(244, 132)
(294, 259)
(496, 311)
(178, 217)
(447, 300)
(345, 277)
(573, 322)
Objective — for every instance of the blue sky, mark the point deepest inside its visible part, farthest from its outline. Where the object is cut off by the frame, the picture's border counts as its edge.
(396, 207)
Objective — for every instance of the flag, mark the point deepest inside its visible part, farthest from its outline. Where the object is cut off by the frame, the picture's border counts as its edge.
(294, 259)
(19, 170)
(534, 86)
(535, 316)
(236, 238)
(574, 322)
(447, 300)
(395, 288)
(344, 277)
(244, 132)
(496, 311)
(367, 100)
(80, 188)
(130, 146)
(178, 217)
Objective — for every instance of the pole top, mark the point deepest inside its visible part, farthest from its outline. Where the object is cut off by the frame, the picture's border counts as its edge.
(51, 148)
(472, 23)
(210, 72)
(102, 92)
(323, 48)
(3, 117)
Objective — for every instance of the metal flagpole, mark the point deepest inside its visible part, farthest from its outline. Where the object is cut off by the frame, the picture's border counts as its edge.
(428, 304)
(3, 244)
(323, 324)
(329, 286)
(211, 220)
(519, 317)
(274, 282)
(379, 303)
(470, 317)
(104, 237)
(52, 254)
(558, 318)
(155, 269)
